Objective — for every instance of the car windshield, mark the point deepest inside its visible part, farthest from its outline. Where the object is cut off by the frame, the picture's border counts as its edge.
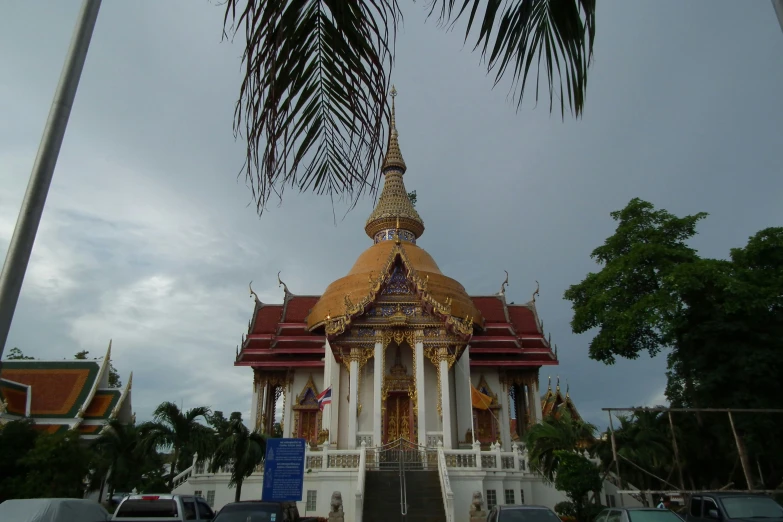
(527, 515)
(752, 507)
(652, 515)
(248, 513)
(143, 508)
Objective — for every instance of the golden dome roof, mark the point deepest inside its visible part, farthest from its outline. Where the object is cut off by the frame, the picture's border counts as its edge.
(394, 226)
(360, 285)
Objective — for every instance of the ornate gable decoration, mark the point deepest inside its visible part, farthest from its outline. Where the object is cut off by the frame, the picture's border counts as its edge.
(308, 398)
(484, 388)
(390, 280)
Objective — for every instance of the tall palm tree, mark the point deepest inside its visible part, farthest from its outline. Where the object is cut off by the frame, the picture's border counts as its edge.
(243, 449)
(556, 432)
(180, 431)
(312, 104)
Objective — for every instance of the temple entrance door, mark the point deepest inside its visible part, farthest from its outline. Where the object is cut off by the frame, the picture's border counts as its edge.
(486, 426)
(398, 421)
(308, 425)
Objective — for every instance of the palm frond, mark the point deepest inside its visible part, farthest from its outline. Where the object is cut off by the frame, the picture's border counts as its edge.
(313, 99)
(561, 32)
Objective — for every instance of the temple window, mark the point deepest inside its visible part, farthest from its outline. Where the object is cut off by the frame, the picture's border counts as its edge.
(307, 414)
(486, 422)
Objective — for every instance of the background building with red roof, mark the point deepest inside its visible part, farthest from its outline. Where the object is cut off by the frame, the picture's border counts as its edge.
(63, 395)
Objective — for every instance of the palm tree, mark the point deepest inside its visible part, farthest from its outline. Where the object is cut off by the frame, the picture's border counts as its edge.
(120, 455)
(556, 432)
(179, 431)
(243, 449)
(313, 100)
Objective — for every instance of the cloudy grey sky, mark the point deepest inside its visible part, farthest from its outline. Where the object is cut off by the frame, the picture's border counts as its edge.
(149, 238)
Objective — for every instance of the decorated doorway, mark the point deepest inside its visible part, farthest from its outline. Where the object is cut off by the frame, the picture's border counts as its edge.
(399, 417)
(307, 414)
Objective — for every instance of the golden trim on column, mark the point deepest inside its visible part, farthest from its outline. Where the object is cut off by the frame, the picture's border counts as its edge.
(436, 354)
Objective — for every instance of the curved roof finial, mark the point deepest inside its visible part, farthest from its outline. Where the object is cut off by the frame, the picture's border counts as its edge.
(549, 385)
(558, 384)
(281, 283)
(252, 293)
(504, 284)
(568, 395)
(535, 293)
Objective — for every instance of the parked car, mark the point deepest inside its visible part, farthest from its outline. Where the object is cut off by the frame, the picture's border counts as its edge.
(163, 507)
(522, 513)
(637, 514)
(52, 510)
(709, 507)
(258, 511)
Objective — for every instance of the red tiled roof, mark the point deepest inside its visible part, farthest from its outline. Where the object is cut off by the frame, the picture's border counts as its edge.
(51, 428)
(523, 319)
(89, 429)
(297, 308)
(58, 388)
(267, 318)
(491, 307)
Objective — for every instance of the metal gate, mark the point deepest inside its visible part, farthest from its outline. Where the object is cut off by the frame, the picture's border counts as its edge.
(402, 454)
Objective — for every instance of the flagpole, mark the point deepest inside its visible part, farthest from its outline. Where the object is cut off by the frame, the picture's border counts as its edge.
(21, 245)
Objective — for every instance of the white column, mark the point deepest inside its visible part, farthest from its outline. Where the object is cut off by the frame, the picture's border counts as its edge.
(420, 392)
(326, 416)
(334, 407)
(254, 404)
(353, 413)
(288, 407)
(445, 400)
(505, 410)
(376, 394)
(464, 407)
(536, 402)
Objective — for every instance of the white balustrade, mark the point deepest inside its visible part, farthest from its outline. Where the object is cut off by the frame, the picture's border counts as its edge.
(360, 483)
(445, 484)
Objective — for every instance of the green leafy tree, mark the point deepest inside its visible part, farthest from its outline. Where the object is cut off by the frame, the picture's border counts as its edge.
(711, 316)
(178, 431)
(243, 450)
(56, 467)
(17, 438)
(114, 377)
(413, 197)
(277, 431)
(122, 447)
(554, 433)
(15, 354)
(312, 102)
(577, 477)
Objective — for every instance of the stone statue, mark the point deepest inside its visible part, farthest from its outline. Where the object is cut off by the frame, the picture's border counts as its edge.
(336, 508)
(476, 513)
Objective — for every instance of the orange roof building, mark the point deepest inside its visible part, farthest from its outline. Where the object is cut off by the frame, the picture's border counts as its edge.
(63, 395)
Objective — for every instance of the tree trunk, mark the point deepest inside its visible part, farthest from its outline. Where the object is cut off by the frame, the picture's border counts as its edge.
(239, 491)
(173, 469)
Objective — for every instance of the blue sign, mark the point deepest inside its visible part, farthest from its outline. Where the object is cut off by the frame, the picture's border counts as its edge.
(284, 470)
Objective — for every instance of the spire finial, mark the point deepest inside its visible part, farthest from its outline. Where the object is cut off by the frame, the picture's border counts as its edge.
(549, 385)
(558, 383)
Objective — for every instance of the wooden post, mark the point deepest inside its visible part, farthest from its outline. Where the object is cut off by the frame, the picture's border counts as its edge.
(742, 455)
(616, 460)
(676, 451)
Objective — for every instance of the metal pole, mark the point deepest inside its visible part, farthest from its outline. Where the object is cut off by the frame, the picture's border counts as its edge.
(778, 6)
(616, 460)
(742, 455)
(676, 451)
(22, 241)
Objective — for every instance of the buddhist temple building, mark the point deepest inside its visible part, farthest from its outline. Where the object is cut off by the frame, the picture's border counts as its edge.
(63, 395)
(554, 402)
(396, 358)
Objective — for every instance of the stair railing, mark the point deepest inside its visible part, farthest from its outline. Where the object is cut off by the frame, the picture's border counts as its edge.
(445, 484)
(403, 484)
(360, 483)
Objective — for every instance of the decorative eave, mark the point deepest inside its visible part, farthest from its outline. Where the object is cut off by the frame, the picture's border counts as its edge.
(335, 326)
(125, 393)
(95, 385)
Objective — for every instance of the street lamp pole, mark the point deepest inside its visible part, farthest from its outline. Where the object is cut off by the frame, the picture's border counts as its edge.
(778, 5)
(22, 241)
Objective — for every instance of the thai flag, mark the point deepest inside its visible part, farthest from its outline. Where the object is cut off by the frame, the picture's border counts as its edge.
(324, 398)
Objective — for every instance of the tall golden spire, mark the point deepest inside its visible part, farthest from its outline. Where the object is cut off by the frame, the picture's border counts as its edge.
(394, 216)
(393, 157)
